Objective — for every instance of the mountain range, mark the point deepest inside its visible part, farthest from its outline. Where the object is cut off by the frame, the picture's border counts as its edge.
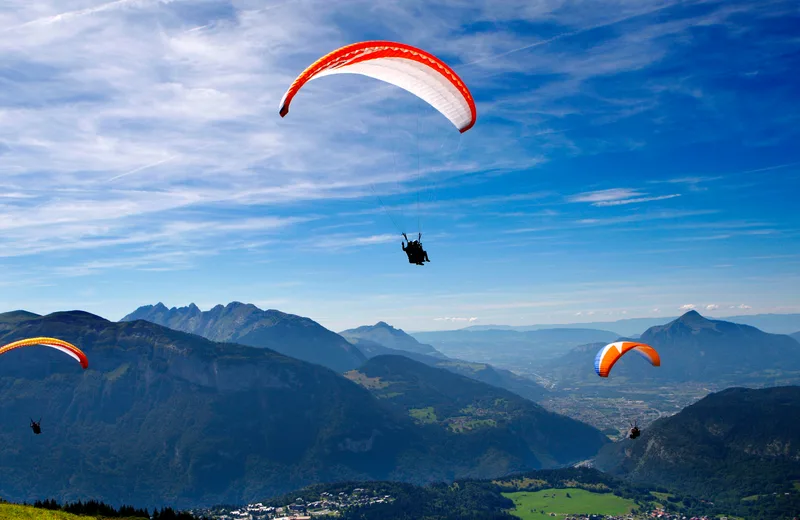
(483, 372)
(730, 445)
(631, 327)
(296, 335)
(163, 417)
(246, 324)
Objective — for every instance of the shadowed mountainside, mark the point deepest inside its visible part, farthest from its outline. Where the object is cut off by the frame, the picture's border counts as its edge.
(732, 444)
(512, 432)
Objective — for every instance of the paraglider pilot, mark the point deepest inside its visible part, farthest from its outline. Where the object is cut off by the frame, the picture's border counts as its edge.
(416, 255)
(634, 432)
(36, 426)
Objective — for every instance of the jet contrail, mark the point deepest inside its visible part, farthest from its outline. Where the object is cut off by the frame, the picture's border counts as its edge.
(140, 168)
(83, 12)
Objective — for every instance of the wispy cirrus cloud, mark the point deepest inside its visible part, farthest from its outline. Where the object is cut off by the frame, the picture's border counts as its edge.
(642, 217)
(635, 200)
(617, 197)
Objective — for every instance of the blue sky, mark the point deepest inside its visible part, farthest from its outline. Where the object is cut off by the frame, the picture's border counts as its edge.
(630, 158)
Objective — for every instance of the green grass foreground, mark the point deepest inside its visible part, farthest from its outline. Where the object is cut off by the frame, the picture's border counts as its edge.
(535, 504)
(17, 512)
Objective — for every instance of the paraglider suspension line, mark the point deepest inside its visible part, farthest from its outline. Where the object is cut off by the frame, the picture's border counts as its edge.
(419, 177)
(380, 200)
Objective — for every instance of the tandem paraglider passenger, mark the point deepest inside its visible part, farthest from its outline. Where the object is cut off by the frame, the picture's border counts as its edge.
(416, 255)
(36, 426)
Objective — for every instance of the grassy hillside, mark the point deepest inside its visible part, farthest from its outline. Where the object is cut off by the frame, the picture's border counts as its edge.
(17, 512)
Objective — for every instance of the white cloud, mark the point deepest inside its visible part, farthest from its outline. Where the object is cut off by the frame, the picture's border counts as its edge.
(643, 217)
(470, 320)
(604, 195)
(635, 200)
(656, 310)
(617, 197)
(687, 307)
(743, 306)
(712, 307)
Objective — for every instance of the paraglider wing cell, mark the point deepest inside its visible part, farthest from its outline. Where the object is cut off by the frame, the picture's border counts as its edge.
(404, 66)
(65, 347)
(611, 353)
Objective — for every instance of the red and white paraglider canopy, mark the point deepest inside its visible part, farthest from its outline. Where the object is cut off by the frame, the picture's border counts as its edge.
(404, 66)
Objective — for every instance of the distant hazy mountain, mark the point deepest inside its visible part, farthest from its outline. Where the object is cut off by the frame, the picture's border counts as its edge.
(796, 336)
(512, 349)
(236, 322)
(772, 323)
(693, 348)
(501, 430)
(388, 336)
(733, 444)
(483, 372)
(621, 327)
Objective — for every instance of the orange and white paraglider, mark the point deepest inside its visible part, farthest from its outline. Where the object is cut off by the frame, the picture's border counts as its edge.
(58, 344)
(611, 353)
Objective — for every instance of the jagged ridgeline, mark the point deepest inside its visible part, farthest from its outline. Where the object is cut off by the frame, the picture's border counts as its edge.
(166, 418)
(246, 324)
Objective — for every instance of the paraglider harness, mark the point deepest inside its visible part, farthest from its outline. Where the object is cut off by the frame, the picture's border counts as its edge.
(635, 431)
(416, 255)
(36, 426)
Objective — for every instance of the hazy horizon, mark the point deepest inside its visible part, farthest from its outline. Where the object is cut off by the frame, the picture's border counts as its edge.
(447, 325)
